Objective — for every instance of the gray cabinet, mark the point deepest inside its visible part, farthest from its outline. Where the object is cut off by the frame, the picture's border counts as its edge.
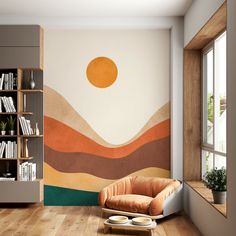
(21, 46)
(21, 53)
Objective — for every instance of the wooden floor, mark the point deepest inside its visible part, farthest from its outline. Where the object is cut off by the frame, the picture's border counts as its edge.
(84, 221)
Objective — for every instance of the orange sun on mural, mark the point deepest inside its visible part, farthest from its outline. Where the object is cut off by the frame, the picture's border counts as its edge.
(102, 72)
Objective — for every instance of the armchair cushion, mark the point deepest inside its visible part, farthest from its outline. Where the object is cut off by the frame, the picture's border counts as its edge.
(122, 186)
(130, 202)
(157, 204)
(149, 186)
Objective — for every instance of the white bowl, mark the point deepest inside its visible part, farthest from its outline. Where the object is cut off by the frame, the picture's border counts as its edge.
(141, 221)
(118, 219)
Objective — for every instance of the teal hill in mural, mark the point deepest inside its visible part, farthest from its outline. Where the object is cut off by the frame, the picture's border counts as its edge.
(57, 196)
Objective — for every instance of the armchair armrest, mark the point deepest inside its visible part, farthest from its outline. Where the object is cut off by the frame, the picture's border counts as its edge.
(157, 204)
(120, 187)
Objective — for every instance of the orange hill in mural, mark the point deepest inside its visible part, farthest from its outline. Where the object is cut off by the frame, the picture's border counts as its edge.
(57, 107)
(62, 138)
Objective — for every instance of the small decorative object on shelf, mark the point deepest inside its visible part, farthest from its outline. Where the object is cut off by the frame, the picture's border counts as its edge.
(25, 148)
(216, 180)
(24, 102)
(11, 125)
(7, 174)
(3, 126)
(37, 129)
(32, 82)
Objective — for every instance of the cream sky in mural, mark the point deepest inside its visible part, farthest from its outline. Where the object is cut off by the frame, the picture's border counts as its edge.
(118, 112)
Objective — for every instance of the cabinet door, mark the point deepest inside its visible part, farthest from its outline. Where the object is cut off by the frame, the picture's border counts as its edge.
(21, 191)
(20, 57)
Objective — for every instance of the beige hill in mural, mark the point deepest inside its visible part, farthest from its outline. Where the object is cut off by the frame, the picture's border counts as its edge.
(88, 182)
(57, 107)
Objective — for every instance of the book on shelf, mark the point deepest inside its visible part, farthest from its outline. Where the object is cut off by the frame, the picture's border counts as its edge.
(25, 126)
(7, 179)
(8, 81)
(10, 149)
(27, 171)
(8, 104)
(2, 148)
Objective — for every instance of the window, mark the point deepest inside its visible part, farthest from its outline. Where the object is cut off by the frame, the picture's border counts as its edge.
(214, 105)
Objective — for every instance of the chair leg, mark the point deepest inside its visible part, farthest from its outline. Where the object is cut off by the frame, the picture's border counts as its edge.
(151, 232)
(104, 215)
(106, 229)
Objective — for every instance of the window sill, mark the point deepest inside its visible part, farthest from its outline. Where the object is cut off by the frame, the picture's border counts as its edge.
(205, 193)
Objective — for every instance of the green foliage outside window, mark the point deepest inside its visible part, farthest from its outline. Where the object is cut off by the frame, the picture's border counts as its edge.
(210, 106)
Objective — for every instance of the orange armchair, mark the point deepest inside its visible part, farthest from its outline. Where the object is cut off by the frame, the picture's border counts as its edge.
(149, 196)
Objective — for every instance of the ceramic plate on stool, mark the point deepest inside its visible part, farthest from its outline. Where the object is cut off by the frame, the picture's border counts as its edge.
(118, 219)
(142, 221)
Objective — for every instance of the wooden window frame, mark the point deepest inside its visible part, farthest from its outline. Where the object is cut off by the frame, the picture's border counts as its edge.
(192, 117)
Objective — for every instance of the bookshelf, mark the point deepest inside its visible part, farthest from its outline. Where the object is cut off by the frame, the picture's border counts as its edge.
(29, 104)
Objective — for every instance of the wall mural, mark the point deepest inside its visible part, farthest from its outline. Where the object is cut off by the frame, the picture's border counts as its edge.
(79, 162)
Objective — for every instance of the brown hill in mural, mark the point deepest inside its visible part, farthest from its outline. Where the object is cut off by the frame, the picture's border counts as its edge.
(57, 107)
(154, 154)
(61, 137)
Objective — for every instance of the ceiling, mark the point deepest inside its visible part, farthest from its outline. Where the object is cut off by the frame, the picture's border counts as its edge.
(93, 8)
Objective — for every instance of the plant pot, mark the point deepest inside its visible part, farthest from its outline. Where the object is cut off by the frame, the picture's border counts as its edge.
(3, 132)
(11, 132)
(219, 197)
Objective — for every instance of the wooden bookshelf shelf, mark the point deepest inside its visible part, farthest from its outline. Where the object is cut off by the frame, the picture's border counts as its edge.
(7, 181)
(16, 113)
(8, 91)
(31, 181)
(22, 136)
(31, 90)
(23, 91)
(25, 158)
(25, 113)
(15, 159)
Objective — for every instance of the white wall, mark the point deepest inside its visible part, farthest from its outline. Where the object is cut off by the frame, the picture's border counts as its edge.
(176, 67)
(177, 38)
(177, 41)
(197, 15)
(117, 113)
(209, 221)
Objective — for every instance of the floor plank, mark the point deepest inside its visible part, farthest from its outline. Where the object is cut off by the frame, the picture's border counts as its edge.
(76, 220)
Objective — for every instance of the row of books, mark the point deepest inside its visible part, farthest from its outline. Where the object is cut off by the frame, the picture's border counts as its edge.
(8, 104)
(27, 171)
(10, 149)
(7, 179)
(8, 82)
(25, 126)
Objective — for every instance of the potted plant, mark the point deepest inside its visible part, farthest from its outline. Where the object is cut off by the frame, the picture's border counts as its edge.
(216, 180)
(11, 124)
(3, 126)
